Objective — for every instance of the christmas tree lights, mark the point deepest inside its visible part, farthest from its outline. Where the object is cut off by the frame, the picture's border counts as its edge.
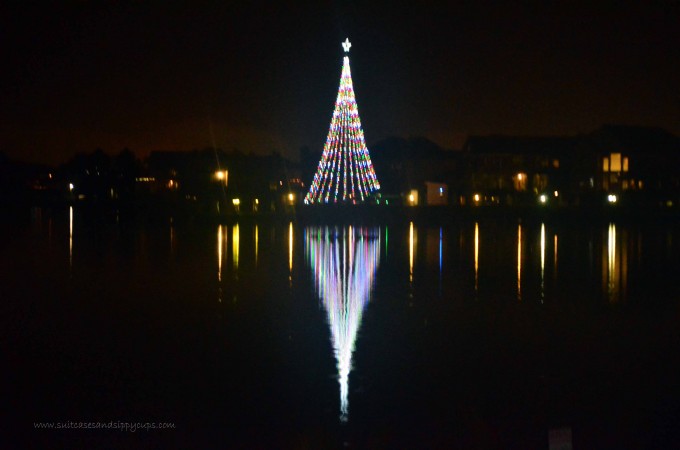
(345, 172)
(344, 263)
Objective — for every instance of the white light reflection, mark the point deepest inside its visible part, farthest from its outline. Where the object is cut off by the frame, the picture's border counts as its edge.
(519, 262)
(555, 257)
(70, 237)
(344, 262)
(542, 262)
(290, 251)
(476, 256)
(617, 264)
(611, 260)
(441, 238)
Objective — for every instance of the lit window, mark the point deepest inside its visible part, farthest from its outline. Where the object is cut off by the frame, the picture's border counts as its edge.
(625, 164)
(615, 162)
(605, 165)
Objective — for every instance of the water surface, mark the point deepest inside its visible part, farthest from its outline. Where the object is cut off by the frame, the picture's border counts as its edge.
(479, 333)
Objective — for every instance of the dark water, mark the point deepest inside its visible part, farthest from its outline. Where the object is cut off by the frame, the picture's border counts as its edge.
(474, 334)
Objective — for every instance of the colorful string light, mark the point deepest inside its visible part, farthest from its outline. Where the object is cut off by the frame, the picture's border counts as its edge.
(345, 172)
(344, 261)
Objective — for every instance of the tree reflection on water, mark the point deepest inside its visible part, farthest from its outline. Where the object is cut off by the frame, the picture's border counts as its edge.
(344, 261)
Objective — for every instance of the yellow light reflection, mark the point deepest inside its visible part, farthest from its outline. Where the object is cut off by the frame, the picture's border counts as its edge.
(290, 248)
(612, 269)
(519, 262)
(476, 256)
(411, 245)
(235, 244)
(172, 236)
(219, 252)
(257, 235)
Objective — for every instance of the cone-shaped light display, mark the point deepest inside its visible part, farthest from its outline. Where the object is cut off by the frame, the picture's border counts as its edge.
(345, 173)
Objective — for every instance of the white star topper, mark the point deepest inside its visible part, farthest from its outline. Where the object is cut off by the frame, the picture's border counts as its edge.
(346, 45)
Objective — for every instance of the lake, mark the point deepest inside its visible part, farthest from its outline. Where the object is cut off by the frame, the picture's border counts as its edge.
(481, 332)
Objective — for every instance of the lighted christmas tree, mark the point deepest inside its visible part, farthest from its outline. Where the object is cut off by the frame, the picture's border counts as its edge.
(345, 172)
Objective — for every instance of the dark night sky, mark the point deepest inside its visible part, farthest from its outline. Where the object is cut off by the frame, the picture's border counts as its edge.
(262, 76)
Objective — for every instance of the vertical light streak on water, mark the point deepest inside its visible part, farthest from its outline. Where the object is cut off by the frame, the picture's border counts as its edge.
(542, 262)
(555, 256)
(220, 237)
(172, 236)
(611, 262)
(519, 262)
(344, 265)
(290, 251)
(410, 252)
(70, 237)
(441, 234)
(476, 256)
(387, 238)
(235, 245)
(257, 235)
(441, 258)
(220, 259)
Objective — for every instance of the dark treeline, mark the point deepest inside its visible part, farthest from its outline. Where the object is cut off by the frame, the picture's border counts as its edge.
(614, 166)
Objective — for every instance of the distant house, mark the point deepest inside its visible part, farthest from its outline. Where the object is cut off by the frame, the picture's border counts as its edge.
(436, 194)
(639, 163)
(406, 164)
(636, 164)
(226, 182)
(516, 170)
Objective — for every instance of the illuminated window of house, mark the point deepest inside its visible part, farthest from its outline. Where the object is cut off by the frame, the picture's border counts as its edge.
(520, 181)
(625, 164)
(605, 165)
(556, 163)
(615, 162)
